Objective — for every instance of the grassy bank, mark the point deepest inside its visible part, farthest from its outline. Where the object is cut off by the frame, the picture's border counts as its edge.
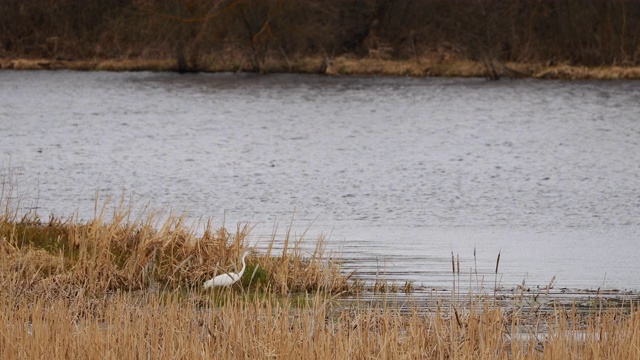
(346, 65)
(60, 259)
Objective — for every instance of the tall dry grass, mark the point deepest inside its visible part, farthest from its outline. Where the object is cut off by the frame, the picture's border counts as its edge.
(123, 251)
(148, 325)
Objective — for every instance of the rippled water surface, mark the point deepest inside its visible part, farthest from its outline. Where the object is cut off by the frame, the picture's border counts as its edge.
(398, 172)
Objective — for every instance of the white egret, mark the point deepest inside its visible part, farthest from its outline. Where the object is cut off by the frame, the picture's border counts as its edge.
(227, 279)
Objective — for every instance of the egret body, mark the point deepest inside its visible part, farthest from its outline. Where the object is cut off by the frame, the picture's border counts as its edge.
(227, 279)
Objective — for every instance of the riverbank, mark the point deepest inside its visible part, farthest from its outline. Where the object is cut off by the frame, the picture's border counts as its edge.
(346, 65)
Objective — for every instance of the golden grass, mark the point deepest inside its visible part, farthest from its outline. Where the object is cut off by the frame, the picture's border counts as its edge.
(148, 325)
(580, 72)
(131, 253)
(436, 65)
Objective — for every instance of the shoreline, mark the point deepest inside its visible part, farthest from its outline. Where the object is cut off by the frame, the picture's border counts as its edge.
(345, 65)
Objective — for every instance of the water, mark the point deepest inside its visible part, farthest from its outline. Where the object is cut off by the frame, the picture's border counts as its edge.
(398, 172)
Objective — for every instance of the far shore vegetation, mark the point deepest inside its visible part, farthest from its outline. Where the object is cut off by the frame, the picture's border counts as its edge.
(564, 39)
(345, 66)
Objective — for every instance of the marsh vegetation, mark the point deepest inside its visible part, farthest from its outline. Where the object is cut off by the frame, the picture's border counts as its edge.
(127, 285)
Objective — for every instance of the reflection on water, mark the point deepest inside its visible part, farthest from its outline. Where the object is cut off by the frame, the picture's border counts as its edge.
(400, 172)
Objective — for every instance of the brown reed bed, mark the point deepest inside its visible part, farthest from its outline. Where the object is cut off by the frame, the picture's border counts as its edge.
(129, 286)
(149, 325)
(59, 258)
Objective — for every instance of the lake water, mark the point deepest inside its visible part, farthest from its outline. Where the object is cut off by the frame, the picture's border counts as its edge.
(399, 173)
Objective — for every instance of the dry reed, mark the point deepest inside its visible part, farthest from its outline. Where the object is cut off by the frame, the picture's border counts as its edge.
(58, 258)
(146, 325)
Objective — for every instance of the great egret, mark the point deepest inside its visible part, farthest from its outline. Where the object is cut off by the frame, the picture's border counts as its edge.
(227, 279)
